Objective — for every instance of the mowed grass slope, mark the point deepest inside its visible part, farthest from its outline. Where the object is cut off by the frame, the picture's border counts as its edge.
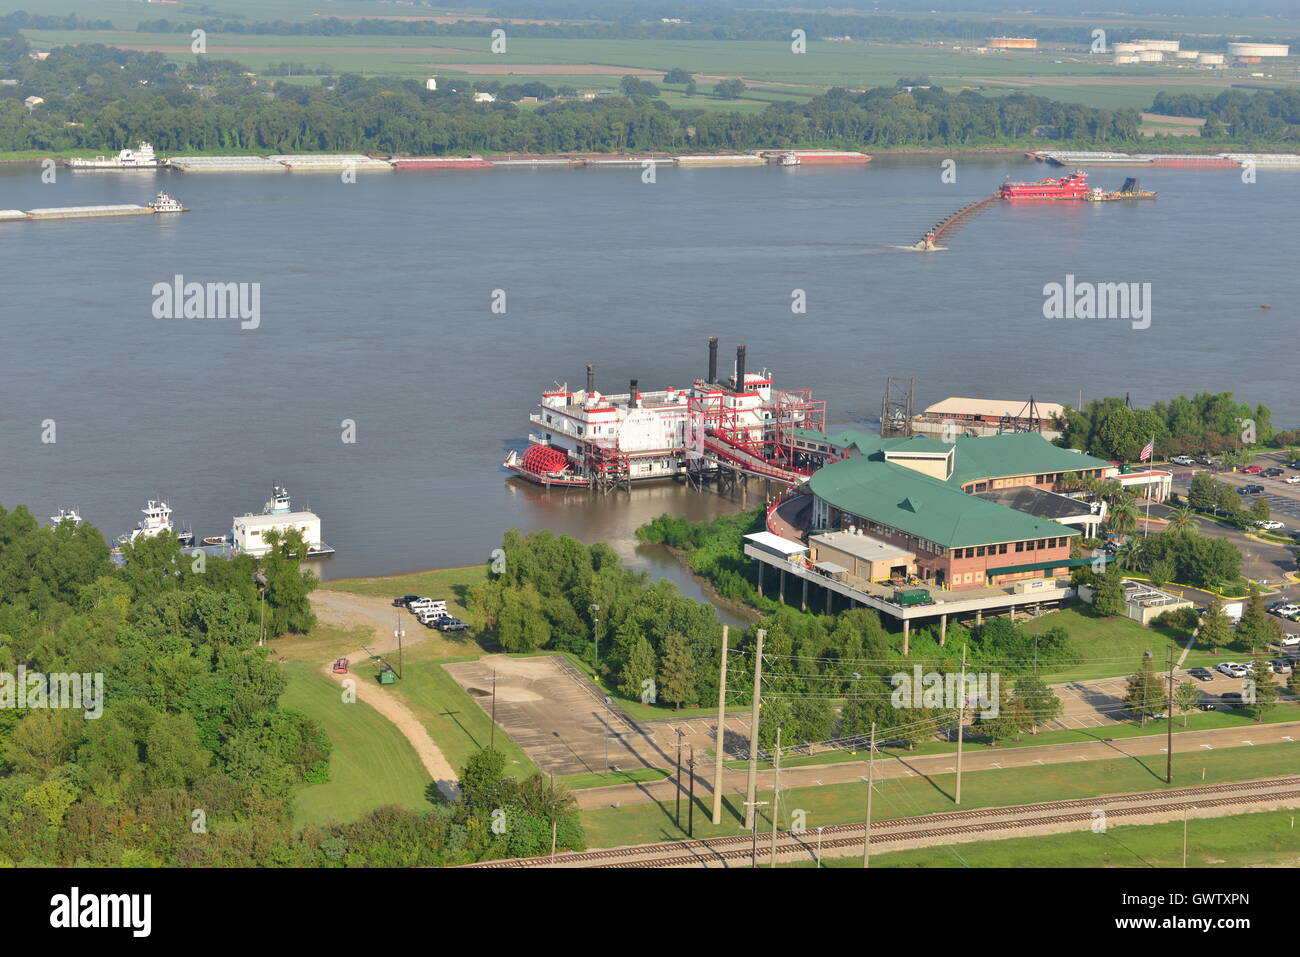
(372, 765)
(905, 797)
(1265, 838)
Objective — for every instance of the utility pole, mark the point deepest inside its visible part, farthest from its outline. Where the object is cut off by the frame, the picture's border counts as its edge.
(1169, 723)
(961, 719)
(690, 799)
(399, 632)
(552, 802)
(492, 735)
(753, 832)
(871, 773)
(595, 630)
(752, 780)
(1184, 837)
(678, 818)
(776, 797)
(719, 739)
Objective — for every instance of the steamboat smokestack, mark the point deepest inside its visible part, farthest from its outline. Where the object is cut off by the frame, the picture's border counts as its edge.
(591, 380)
(713, 360)
(740, 368)
(634, 397)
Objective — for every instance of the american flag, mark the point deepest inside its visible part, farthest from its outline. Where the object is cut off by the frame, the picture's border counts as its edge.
(1147, 451)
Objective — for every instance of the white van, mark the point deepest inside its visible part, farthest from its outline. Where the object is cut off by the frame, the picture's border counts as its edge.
(428, 615)
(428, 604)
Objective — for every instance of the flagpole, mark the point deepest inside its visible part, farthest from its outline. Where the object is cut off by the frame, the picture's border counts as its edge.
(1146, 526)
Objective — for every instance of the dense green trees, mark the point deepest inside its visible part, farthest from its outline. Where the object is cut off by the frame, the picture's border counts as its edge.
(1205, 423)
(190, 715)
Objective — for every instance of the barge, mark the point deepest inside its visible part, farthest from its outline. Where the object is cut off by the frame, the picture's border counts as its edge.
(248, 532)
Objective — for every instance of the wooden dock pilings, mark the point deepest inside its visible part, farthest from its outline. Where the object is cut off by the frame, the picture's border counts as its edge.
(931, 239)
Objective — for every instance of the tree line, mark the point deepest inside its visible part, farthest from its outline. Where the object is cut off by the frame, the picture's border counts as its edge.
(1205, 423)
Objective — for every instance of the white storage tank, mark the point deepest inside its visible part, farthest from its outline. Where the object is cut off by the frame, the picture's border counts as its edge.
(1126, 58)
(1167, 46)
(1151, 56)
(1210, 59)
(1126, 47)
(1186, 54)
(1258, 49)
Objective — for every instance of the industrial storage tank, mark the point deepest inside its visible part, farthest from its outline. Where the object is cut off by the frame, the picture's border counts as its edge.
(1210, 59)
(1150, 56)
(1186, 54)
(1258, 49)
(1168, 46)
(1126, 47)
(1126, 58)
(1013, 43)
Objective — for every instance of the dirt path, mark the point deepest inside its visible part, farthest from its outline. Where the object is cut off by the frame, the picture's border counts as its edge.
(359, 610)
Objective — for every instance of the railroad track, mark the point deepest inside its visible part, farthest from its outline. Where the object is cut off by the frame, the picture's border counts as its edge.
(947, 824)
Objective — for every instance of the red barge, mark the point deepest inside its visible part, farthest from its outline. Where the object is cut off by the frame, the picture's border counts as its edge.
(1071, 187)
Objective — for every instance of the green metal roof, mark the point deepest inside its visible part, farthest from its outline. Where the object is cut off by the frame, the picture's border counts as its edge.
(940, 511)
(905, 499)
(1015, 453)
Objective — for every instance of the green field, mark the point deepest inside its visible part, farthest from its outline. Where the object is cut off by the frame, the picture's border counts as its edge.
(904, 797)
(770, 67)
(372, 765)
(1265, 838)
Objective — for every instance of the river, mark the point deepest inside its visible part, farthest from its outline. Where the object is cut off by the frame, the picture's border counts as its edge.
(376, 308)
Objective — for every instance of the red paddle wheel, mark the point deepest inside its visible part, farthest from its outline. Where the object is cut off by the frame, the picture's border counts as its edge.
(543, 459)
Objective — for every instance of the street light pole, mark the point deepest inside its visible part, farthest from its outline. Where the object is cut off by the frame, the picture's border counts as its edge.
(595, 630)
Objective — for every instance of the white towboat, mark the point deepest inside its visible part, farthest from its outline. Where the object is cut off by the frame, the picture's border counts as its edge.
(248, 532)
(157, 519)
(66, 515)
(165, 204)
(142, 157)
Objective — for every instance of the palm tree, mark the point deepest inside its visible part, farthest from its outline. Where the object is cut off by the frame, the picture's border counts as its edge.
(1123, 518)
(1182, 516)
(1131, 554)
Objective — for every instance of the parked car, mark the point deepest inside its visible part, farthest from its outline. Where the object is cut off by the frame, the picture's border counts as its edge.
(1281, 666)
(405, 601)
(1250, 490)
(1183, 460)
(1232, 669)
(1253, 469)
(1270, 524)
(1292, 480)
(1284, 609)
(1231, 698)
(1201, 674)
(1273, 472)
(448, 623)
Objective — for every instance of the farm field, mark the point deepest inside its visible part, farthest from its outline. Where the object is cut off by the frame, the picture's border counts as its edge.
(770, 66)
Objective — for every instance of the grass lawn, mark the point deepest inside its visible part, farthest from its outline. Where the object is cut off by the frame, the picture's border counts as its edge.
(904, 797)
(453, 584)
(371, 765)
(1267, 838)
(1110, 647)
(453, 719)
(1196, 721)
